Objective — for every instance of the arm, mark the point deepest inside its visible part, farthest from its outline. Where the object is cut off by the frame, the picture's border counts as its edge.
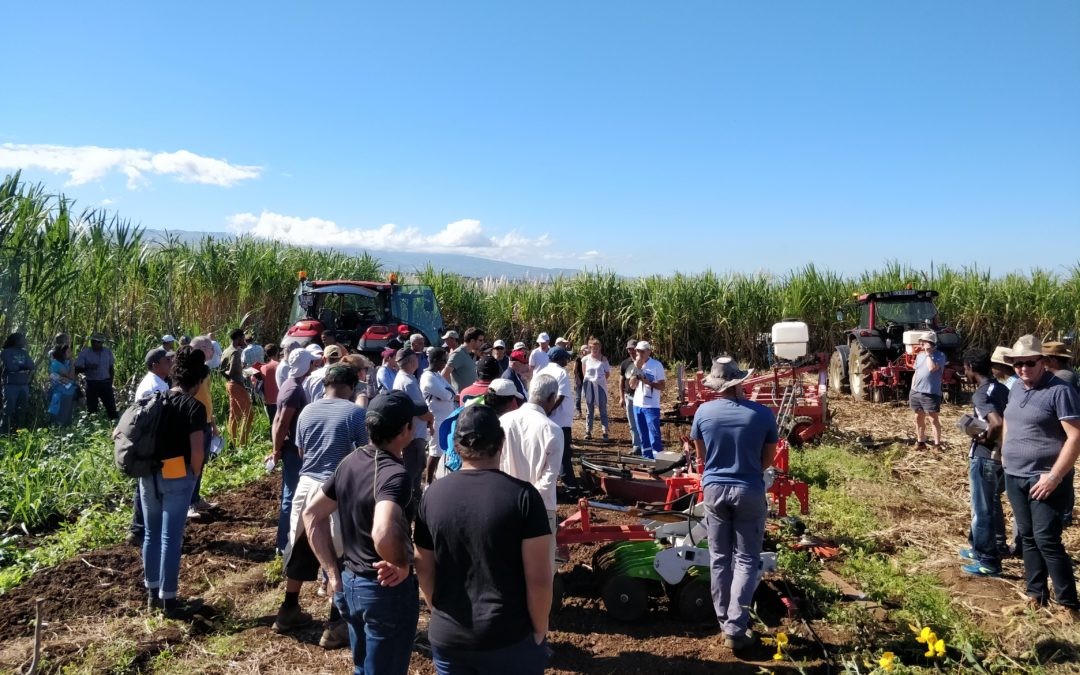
(425, 573)
(549, 472)
(317, 525)
(536, 558)
(281, 427)
(995, 427)
(390, 540)
(931, 364)
(699, 454)
(768, 454)
(1049, 482)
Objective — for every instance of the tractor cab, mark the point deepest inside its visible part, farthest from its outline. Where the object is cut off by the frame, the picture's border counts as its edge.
(364, 314)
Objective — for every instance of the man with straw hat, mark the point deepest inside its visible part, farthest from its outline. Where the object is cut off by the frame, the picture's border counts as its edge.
(1057, 356)
(1041, 441)
(1001, 369)
(735, 441)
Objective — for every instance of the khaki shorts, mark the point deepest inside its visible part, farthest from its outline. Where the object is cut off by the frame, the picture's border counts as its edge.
(306, 489)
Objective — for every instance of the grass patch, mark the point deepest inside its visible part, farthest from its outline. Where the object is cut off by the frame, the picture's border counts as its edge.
(116, 655)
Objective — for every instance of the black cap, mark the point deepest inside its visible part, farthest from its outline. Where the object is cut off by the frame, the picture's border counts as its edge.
(156, 354)
(394, 408)
(477, 423)
(403, 354)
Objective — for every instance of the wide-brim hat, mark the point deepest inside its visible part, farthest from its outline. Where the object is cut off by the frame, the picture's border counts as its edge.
(1025, 346)
(999, 355)
(1058, 349)
(928, 336)
(725, 374)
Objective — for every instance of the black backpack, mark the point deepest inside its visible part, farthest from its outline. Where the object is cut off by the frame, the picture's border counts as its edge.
(135, 437)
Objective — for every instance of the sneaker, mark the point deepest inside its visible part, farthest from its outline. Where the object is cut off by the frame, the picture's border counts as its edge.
(978, 569)
(132, 539)
(290, 618)
(738, 643)
(335, 635)
(967, 554)
(175, 608)
(192, 512)
(321, 591)
(203, 505)
(605, 437)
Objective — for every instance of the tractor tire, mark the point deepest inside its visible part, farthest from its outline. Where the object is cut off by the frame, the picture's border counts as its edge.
(694, 601)
(625, 598)
(861, 365)
(838, 383)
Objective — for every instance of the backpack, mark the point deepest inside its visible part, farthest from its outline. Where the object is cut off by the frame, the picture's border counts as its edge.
(135, 437)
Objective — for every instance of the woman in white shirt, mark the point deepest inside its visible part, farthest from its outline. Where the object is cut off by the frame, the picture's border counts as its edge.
(596, 368)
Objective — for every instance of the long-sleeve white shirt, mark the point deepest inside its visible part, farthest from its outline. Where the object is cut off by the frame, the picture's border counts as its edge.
(533, 449)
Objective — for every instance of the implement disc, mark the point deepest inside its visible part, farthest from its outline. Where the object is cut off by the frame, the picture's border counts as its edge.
(625, 598)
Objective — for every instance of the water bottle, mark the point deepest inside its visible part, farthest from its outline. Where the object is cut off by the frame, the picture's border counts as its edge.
(270, 464)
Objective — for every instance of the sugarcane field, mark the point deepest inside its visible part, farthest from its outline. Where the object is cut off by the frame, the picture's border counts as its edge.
(521, 338)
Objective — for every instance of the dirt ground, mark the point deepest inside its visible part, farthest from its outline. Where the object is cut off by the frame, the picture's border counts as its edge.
(96, 622)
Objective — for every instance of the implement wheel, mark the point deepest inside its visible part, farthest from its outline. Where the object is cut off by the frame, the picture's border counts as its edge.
(838, 383)
(694, 601)
(861, 365)
(625, 598)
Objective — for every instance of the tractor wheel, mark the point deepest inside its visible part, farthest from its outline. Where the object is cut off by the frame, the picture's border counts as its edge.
(838, 383)
(625, 598)
(694, 600)
(861, 365)
(558, 590)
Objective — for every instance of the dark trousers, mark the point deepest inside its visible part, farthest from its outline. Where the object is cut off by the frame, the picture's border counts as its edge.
(569, 479)
(137, 523)
(271, 410)
(1039, 525)
(101, 391)
(524, 658)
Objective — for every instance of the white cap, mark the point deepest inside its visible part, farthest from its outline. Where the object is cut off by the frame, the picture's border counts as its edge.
(543, 337)
(503, 387)
(499, 343)
(416, 336)
(451, 334)
(561, 341)
(520, 345)
(300, 362)
(167, 338)
(643, 346)
(314, 349)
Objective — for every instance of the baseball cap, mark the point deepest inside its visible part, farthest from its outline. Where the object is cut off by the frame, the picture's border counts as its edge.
(558, 354)
(561, 341)
(451, 334)
(402, 329)
(499, 344)
(520, 345)
(333, 352)
(543, 337)
(394, 408)
(156, 354)
(477, 423)
(167, 338)
(503, 387)
(300, 362)
(314, 349)
(643, 346)
(97, 337)
(403, 354)
(519, 356)
(389, 351)
(631, 344)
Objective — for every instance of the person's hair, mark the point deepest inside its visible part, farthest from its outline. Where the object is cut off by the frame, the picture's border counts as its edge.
(341, 374)
(357, 362)
(329, 332)
(189, 367)
(237, 333)
(473, 333)
(381, 431)
(501, 404)
(271, 350)
(474, 446)
(59, 350)
(979, 360)
(437, 355)
(13, 340)
(488, 368)
(543, 389)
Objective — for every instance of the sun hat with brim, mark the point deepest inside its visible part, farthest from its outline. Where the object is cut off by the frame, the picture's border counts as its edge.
(1057, 349)
(999, 355)
(542, 338)
(1026, 346)
(300, 362)
(520, 345)
(643, 346)
(929, 336)
(97, 337)
(501, 387)
(725, 373)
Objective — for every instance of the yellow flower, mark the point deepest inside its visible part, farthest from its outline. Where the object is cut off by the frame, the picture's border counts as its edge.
(887, 661)
(778, 656)
(781, 640)
(938, 648)
(926, 635)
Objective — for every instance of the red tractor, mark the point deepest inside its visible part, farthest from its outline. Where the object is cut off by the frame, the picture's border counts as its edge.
(877, 358)
(364, 314)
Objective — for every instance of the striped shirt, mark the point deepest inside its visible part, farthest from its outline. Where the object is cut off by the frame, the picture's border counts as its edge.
(1033, 432)
(327, 431)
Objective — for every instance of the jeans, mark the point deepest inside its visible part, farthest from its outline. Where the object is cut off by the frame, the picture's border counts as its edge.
(1039, 525)
(987, 518)
(569, 478)
(382, 622)
(137, 527)
(164, 504)
(578, 385)
(595, 397)
(101, 391)
(735, 515)
(648, 421)
(290, 475)
(522, 658)
(631, 419)
(16, 401)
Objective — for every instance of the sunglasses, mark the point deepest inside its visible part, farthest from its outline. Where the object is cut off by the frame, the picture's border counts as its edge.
(1028, 364)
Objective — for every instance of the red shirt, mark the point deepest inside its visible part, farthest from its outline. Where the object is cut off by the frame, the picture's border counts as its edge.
(270, 388)
(478, 388)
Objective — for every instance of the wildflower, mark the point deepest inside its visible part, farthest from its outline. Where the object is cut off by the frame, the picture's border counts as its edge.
(781, 643)
(937, 649)
(887, 661)
(926, 635)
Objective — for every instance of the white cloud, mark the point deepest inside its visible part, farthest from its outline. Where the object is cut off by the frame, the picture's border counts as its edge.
(465, 237)
(88, 163)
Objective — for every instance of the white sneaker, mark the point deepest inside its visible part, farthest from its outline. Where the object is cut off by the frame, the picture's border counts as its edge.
(192, 512)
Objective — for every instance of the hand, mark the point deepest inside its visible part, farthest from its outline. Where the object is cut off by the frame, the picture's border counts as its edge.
(390, 574)
(1045, 487)
(333, 583)
(539, 638)
(274, 456)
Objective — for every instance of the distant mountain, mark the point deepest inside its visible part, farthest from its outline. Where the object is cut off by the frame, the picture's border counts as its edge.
(404, 261)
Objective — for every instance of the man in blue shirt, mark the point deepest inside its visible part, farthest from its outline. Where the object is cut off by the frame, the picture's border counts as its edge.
(925, 397)
(735, 441)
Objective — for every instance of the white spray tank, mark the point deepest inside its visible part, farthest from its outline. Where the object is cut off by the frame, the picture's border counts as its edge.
(790, 340)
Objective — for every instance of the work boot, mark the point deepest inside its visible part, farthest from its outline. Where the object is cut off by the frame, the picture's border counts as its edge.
(132, 539)
(335, 635)
(291, 618)
(737, 643)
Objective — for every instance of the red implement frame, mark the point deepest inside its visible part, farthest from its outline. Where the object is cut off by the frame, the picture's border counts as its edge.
(578, 529)
(891, 376)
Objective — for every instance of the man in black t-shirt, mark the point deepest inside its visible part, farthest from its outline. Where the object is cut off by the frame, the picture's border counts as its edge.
(482, 557)
(626, 394)
(373, 584)
(984, 470)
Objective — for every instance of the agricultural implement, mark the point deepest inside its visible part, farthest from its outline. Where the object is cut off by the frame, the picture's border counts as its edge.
(877, 358)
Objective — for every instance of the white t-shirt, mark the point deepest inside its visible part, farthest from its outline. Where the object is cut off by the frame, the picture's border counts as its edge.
(596, 370)
(564, 414)
(440, 398)
(647, 396)
(150, 384)
(538, 358)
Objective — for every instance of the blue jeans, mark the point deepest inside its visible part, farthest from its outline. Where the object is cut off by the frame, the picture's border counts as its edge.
(987, 518)
(648, 422)
(382, 622)
(164, 504)
(16, 401)
(290, 476)
(735, 516)
(631, 419)
(522, 658)
(595, 397)
(1039, 525)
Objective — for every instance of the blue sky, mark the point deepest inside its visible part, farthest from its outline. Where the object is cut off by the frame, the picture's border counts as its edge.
(645, 137)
